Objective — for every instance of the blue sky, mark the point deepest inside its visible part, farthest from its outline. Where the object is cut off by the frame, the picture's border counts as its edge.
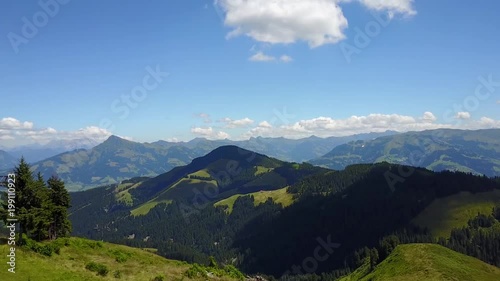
(242, 68)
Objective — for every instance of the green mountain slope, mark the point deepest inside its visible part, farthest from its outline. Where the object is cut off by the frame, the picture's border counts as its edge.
(280, 196)
(461, 150)
(112, 161)
(356, 208)
(226, 171)
(444, 214)
(122, 262)
(430, 262)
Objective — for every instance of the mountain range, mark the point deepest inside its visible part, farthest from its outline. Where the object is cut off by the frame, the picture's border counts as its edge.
(444, 149)
(37, 152)
(117, 159)
(270, 215)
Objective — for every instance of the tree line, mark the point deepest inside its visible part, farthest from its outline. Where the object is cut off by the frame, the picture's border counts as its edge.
(41, 206)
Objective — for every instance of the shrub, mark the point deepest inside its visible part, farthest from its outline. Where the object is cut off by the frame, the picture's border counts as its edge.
(46, 249)
(233, 272)
(195, 271)
(159, 278)
(120, 256)
(100, 269)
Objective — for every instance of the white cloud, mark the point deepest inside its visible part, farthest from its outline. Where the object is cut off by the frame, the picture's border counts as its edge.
(404, 7)
(10, 123)
(429, 117)
(265, 124)
(485, 123)
(285, 58)
(462, 115)
(230, 123)
(15, 132)
(210, 133)
(6, 137)
(316, 22)
(261, 57)
(327, 126)
(498, 101)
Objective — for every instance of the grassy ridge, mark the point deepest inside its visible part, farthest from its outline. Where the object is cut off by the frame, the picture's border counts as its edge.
(429, 262)
(279, 196)
(454, 211)
(126, 262)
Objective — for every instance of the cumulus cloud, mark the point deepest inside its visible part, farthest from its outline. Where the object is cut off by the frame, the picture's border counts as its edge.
(16, 132)
(230, 123)
(265, 124)
(485, 123)
(210, 133)
(9, 123)
(327, 126)
(429, 117)
(404, 7)
(285, 58)
(462, 115)
(261, 57)
(317, 22)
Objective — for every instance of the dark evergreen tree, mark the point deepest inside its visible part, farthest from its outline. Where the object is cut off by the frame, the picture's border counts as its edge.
(59, 202)
(25, 195)
(374, 257)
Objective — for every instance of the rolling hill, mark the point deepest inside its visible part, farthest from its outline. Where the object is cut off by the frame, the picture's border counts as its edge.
(226, 171)
(265, 215)
(444, 149)
(430, 262)
(120, 262)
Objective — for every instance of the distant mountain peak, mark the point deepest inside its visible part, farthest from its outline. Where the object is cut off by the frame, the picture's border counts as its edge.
(114, 137)
(114, 141)
(231, 152)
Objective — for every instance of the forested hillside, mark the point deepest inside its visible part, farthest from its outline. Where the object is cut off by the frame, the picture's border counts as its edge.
(361, 212)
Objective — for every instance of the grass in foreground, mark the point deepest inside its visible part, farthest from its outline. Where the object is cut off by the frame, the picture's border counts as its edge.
(77, 260)
(429, 262)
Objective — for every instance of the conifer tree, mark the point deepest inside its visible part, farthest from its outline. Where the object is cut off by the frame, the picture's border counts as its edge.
(59, 203)
(42, 209)
(40, 214)
(25, 196)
